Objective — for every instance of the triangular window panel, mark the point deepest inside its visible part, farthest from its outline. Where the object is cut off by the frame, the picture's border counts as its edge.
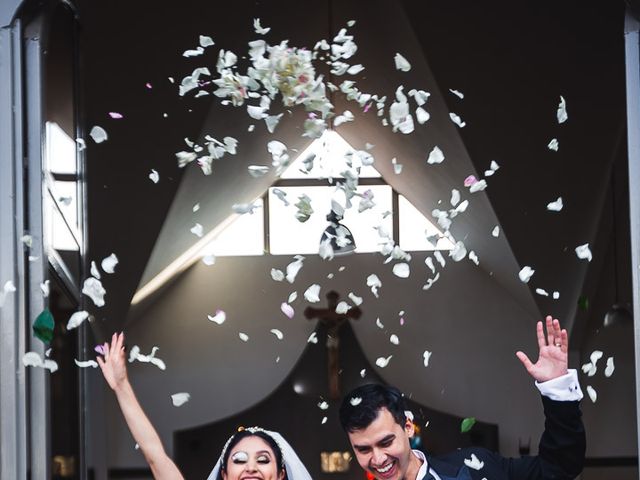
(326, 157)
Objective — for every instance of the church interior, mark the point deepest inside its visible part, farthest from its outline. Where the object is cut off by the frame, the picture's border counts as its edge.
(197, 277)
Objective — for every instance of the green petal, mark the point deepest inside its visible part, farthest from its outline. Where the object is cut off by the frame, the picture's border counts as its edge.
(43, 326)
(466, 424)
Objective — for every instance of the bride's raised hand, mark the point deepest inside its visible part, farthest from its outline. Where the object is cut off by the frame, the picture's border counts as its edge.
(114, 365)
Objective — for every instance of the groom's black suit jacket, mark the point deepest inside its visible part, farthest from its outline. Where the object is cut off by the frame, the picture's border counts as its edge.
(560, 453)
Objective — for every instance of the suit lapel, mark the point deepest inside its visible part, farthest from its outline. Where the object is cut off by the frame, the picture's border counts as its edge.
(449, 471)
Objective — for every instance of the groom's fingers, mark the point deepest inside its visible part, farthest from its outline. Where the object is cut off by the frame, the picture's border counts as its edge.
(540, 333)
(525, 360)
(549, 321)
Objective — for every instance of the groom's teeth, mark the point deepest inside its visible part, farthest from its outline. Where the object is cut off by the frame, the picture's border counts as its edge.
(385, 469)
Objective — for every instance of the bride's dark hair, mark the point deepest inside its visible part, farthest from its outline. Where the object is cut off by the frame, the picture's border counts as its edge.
(277, 452)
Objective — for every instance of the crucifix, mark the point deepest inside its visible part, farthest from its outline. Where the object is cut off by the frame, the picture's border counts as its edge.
(333, 321)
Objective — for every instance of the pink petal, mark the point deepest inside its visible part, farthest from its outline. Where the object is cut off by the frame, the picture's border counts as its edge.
(287, 310)
(99, 349)
(115, 115)
(148, 85)
(470, 180)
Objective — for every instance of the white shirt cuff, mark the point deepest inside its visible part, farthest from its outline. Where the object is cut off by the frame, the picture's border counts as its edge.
(564, 389)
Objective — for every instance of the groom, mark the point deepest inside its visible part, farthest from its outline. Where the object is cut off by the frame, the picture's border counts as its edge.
(379, 431)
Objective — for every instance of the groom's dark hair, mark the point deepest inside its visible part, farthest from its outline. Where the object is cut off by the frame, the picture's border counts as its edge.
(361, 406)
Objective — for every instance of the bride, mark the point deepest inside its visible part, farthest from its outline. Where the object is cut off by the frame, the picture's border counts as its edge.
(249, 453)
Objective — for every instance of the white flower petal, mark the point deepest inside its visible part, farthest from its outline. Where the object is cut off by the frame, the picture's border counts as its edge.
(312, 294)
(553, 145)
(342, 308)
(422, 116)
(374, 282)
(94, 270)
(76, 319)
(556, 295)
(435, 156)
(457, 93)
(608, 371)
(44, 288)
(260, 30)
(363, 373)
(86, 363)
(154, 176)
(243, 336)
(279, 335)
(257, 171)
(355, 299)
(593, 395)
(109, 263)
(277, 275)
(457, 120)
(31, 359)
(323, 405)
(562, 111)
(584, 252)
(293, 268)
(313, 338)
(478, 186)
(323, 421)
(473, 462)
(98, 134)
(401, 63)
(209, 260)
(542, 292)
(206, 41)
(555, 206)
(394, 339)
(383, 361)
(292, 297)
(93, 289)
(355, 401)
(401, 270)
(179, 399)
(426, 356)
(219, 317)
(458, 252)
(525, 274)
(496, 231)
(197, 230)
(379, 323)
(473, 257)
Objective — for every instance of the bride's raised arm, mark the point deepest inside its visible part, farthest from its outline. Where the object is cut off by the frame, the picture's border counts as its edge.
(114, 369)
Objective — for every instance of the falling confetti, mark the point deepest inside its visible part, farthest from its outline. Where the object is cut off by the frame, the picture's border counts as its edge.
(219, 317)
(115, 115)
(562, 111)
(426, 356)
(98, 134)
(109, 263)
(401, 270)
(243, 336)
(525, 274)
(86, 363)
(553, 145)
(154, 176)
(374, 282)
(457, 120)
(608, 371)
(584, 252)
(278, 334)
(394, 339)
(313, 338)
(197, 230)
(383, 361)
(277, 275)
(496, 231)
(473, 462)
(76, 319)
(401, 63)
(323, 405)
(593, 395)
(355, 401)
(179, 399)
(467, 424)
(435, 156)
(287, 310)
(457, 93)
(555, 206)
(135, 355)
(312, 294)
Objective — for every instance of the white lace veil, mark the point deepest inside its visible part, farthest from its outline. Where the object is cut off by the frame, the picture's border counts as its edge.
(292, 463)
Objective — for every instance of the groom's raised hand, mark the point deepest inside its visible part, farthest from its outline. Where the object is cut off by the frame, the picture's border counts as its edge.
(553, 357)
